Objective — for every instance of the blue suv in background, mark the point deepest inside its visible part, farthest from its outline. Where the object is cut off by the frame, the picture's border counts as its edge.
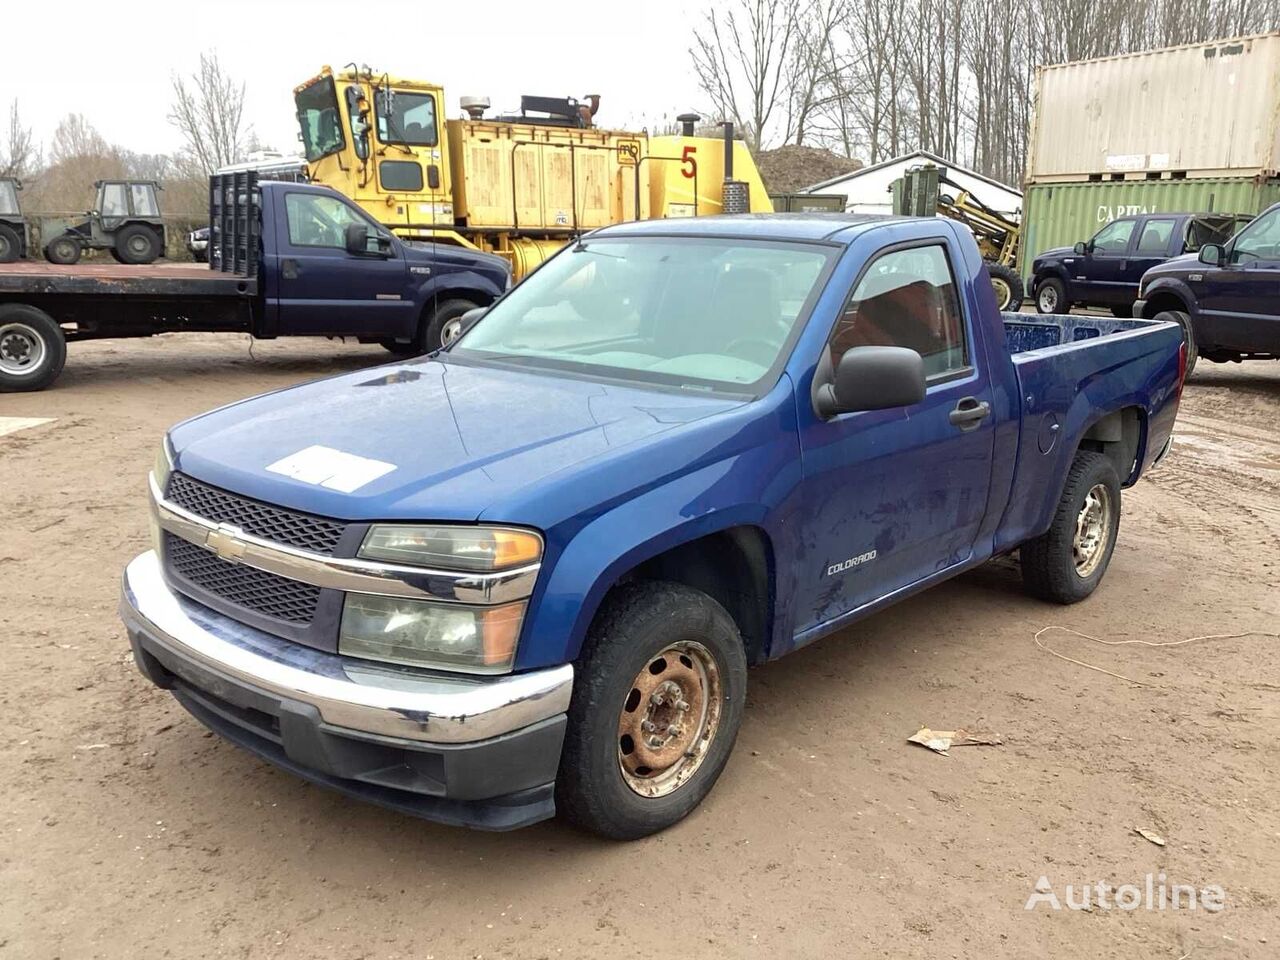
(1105, 270)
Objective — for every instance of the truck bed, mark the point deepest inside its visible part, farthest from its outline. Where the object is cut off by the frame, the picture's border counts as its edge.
(1068, 368)
(149, 280)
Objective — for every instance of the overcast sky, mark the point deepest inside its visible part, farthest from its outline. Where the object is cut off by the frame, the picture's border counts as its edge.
(113, 63)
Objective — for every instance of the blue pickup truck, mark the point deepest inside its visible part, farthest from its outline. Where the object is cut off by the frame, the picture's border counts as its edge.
(285, 259)
(1104, 270)
(527, 574)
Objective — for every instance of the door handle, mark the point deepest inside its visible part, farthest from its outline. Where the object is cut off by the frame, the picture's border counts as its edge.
(289, 269)
(969, 412)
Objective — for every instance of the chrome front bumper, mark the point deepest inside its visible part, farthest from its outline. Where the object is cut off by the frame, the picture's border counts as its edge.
(362, 697)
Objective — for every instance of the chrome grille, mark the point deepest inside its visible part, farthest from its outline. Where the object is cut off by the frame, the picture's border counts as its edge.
(301, 530)
(255, 590)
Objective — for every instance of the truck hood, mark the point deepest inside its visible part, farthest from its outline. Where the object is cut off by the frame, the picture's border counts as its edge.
(1178, 264)
(427, 439)
(1055, 254)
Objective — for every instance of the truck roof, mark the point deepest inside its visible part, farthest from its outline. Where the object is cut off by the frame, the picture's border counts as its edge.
(753, 226)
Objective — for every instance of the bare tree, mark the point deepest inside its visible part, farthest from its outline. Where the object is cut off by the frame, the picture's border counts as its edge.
(208, 110)
(880, 78)
(21, 153)
(742, 56)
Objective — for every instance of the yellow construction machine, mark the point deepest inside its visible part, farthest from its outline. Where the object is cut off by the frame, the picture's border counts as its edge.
(517, 185)
(926, 191)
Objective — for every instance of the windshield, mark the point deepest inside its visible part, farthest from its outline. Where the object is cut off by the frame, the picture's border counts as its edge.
(318, 119)
(685, 312)
(405, 117)
(8, 198)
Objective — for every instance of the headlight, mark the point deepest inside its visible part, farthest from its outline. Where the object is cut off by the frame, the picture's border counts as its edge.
(447, 636)
(466, 549)
(160, 471)
(163, 465)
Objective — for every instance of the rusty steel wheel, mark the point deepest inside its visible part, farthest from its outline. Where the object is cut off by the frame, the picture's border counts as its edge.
(658, 693)
(669, 719)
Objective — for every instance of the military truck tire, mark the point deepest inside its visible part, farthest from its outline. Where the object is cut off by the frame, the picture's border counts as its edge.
(136, 244)
(10, 244)
(1068, 561)
(63, 250)
(657, 701)
(1007, 285)
(32, 348)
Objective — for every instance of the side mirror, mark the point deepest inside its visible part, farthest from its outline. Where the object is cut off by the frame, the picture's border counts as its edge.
(873, 378)
(357, 241)
(1081, 249)
(1213, 254)
(452, 331)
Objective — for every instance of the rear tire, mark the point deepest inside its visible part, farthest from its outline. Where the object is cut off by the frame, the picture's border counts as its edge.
(653, 647)
(136, 244)
(1183, 319)
(1008, 288)
(1067, 562)
(63, 250)
(32, 348)
(10, 244)
(441, 323)
(1051, 296)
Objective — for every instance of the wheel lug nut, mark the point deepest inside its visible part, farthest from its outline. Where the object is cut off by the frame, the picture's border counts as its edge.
(682, 705)
(648, 726)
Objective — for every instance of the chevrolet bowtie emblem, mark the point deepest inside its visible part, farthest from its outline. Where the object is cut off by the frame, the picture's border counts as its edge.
(226, 542)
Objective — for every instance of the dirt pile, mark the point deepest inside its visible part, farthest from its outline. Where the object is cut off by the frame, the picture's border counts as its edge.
(790, 169)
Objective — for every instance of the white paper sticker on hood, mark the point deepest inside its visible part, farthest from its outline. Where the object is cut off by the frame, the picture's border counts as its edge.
(335, 469)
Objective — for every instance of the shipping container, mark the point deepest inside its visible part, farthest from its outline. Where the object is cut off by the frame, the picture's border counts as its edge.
(1060, 214)
(1202, 110)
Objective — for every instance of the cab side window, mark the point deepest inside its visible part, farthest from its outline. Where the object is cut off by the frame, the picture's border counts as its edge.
(906, 298)
(1113, 238)
(319, 221)
(1155, 236)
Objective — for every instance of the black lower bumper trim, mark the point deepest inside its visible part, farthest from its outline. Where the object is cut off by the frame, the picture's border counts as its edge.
(500, 783)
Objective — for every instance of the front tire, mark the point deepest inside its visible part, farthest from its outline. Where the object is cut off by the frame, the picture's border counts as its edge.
(1007, 285)
(657, 702)
(1068, 561)
(440, 328)
(1051, 296)
(32, 348)
(63, 250)
(1183, 319)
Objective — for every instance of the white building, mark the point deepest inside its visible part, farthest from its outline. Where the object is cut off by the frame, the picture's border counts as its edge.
(868, 188)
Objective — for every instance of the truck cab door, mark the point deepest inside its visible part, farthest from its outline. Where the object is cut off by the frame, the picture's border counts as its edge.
(1102, 271)
(891, 497)
(1240, 300)
(324, 289)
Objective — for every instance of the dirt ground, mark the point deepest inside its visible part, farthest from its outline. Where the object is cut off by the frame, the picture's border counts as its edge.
(130, 832)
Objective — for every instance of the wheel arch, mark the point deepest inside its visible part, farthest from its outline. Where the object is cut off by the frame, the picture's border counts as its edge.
(1167, 297)
(732, 562)
(1121, 437)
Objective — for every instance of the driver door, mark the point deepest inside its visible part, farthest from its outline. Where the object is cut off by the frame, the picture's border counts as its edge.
(324, 289)
(893, 497)
(1105, 265)
(1240, 301)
